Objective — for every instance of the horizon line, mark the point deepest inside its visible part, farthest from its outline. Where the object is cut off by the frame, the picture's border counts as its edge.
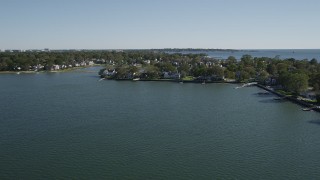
(159, 48)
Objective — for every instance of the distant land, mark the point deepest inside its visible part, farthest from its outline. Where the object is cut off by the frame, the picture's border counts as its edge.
(153, 49)
(193, 49)
(164, 49)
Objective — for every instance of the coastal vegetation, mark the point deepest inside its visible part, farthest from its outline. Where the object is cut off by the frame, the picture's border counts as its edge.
(291, 76)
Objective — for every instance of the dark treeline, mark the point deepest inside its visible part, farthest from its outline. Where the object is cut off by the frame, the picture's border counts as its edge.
(291, 74)
(25, 61)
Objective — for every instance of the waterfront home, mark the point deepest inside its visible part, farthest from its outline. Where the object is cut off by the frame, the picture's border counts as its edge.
(171, 75)
(37, 67)
(109, 72)
(209, 64)
(83, 63)
(55, 67)
(147, 61)
(271, 81)
(216, 78)
(309, 94)
(99, 61)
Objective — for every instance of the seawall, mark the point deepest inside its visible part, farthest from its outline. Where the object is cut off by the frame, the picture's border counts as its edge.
(292, 99)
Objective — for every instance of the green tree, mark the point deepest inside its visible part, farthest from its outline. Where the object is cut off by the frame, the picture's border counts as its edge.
(263, 75)
(242, 76)
(229, 74)
(152, 72)
(184, 67)
(282, 68)
(313, 61)
(261, 64)
(247, 60)
(272, 69)
(167, 67)
(315, 81)
(216, 70)
(231, 60)
(294, 82)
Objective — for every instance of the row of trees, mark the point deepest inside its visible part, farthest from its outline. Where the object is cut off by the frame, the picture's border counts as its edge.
(290, 74)
(293, 75)
(9, 61)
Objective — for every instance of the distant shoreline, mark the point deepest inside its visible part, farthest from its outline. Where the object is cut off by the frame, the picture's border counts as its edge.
(47, 71)
(175, 81)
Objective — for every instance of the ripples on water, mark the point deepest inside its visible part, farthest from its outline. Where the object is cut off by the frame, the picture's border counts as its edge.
(70, 125)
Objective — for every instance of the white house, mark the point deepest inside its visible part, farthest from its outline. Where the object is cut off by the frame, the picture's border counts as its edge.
(147, 61)
(55, 67)
(109, 72)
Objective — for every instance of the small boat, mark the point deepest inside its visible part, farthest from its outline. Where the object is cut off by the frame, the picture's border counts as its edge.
(204, 82)
(306, 109)
(135, 79)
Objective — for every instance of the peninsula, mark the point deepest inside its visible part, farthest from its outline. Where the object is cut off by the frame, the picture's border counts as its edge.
(289, 77)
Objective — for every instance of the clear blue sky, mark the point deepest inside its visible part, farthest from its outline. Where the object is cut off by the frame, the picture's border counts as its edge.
(126, 24)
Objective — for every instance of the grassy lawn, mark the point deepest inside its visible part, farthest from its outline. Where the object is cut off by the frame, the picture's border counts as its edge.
(299, 97)
(308, 100)
(188, 78)
(284, 92)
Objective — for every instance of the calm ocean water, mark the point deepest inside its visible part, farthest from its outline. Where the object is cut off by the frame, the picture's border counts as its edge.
(298, 54)
(72, 126)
